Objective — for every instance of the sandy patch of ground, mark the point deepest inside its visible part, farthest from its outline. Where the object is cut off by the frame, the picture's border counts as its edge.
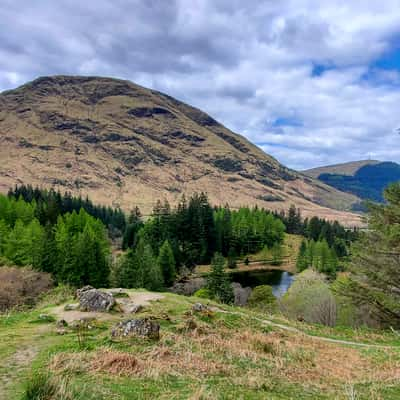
(125, 303)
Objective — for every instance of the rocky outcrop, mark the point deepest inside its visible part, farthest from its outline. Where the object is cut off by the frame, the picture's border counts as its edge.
(189, 286)
(143, 327)
(91, 299)
(241, 294)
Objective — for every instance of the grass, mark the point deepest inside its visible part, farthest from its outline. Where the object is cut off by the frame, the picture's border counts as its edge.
(199, 356)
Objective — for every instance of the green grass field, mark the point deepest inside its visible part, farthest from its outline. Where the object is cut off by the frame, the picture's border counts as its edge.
(229, 353)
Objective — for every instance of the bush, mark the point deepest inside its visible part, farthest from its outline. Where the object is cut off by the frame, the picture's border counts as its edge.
(261, 297)
(203, 293)
(22, 286)
(310, 299)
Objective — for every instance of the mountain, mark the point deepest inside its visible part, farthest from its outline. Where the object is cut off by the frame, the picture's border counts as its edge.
(125, 145)
(365, 179)
(349, 168)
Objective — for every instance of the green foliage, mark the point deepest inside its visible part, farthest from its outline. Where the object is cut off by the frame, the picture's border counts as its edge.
(277, 254)
(317, 255)
(262, 297)
(375, 275)
(232, 258)
(218, 282)
(138, 269)
(82, 250)
(166, 261)
(48, 205)
(203, 293)
(310, 299)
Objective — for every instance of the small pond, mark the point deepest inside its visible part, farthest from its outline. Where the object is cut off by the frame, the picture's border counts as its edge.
(279, 280)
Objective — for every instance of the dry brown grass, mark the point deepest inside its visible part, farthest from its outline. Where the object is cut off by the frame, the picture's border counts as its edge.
(277, 355)
(21, 286)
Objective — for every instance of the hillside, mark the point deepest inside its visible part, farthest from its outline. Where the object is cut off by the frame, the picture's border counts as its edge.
(222, 353)
(349, 168)
(365, 179)
(125, 145)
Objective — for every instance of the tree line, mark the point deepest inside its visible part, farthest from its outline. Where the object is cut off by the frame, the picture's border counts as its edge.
(75, 249)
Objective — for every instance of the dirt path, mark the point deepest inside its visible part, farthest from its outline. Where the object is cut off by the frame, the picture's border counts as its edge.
(19, 362)
(313, 337)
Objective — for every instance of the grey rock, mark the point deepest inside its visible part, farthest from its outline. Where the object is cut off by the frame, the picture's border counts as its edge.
(71, 307)
(189, 286)
(143, 327)
(135, 308)
(95, 300)
(241, 294)
(82, 290)
(198, 307)
(62, 323)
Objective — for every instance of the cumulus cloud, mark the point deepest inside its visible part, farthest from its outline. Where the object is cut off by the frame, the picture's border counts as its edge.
(300, 78)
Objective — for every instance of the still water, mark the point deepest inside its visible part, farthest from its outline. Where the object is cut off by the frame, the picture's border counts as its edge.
(279, 280)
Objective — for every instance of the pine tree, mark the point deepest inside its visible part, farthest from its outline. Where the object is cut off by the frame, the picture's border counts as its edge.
(232, 258)
(152, 275)
(302, 260)
(218, 281)
(166, 261)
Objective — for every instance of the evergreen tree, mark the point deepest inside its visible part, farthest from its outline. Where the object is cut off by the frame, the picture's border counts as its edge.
(152, 275)
(218, 281)
(166, 261)
(375, 274)
(277, 254)
(302, 259)
(232, 258)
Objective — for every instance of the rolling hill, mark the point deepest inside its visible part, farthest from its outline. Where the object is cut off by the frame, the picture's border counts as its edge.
(365, 179)
(125, 145)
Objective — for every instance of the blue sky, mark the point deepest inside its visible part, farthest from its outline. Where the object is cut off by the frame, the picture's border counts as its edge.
(312, 83)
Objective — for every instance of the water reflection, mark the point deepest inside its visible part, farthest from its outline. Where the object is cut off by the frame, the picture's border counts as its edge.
(279, 280)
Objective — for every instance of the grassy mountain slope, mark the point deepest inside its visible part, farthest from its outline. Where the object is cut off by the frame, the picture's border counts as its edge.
(367, 180)
(126, 145)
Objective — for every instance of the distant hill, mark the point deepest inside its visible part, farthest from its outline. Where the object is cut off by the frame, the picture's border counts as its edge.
(125, 145)
(349, 168)
(365, 179)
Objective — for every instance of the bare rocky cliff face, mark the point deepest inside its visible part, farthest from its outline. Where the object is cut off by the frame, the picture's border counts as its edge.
(125, 145)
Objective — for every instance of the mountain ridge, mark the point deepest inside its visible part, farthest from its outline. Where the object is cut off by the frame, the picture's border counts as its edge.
(125, 145)
(365, 179)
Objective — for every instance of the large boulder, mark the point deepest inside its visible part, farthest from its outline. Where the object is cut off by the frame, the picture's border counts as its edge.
(143, 327)
(188, 287)
(95, 300)
(241, 294)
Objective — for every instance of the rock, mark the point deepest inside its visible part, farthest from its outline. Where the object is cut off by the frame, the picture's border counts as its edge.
(85, 323)
(82, 290)
(45, 317)
(143, 327)
(95, 300)
(118, 293)
(241, 294)
(61, 331)
(189, 286)
(71, 307)
(62, 323)
(198, 307)
(134, 308)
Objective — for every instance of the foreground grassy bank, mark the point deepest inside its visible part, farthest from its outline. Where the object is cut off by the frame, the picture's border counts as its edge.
(228, 353)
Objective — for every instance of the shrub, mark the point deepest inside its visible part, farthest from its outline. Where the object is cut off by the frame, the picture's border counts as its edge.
(203, 293)
(310, 299)
(22, 286)
(261, 297)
